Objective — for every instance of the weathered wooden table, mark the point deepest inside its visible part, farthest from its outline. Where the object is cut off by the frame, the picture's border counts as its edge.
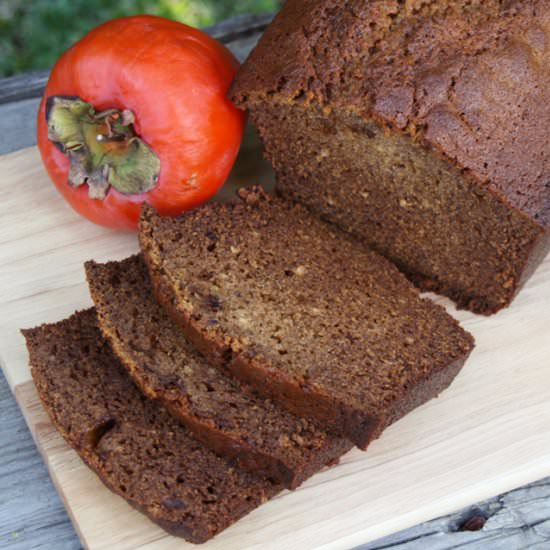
(31, 514)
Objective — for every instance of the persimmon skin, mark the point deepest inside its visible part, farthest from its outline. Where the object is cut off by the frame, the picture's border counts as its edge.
(174, 78)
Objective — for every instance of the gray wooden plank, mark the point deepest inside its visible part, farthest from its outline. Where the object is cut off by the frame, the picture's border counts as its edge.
(31, 513)
(18, 125)
(24, 86)
(240, 26)
(514, 521)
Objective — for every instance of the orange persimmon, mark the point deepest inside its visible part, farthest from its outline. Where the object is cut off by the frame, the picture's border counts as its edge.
(137, 111)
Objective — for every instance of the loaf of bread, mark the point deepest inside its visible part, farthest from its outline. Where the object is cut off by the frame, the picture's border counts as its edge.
(420, 126)
(254, 433)
(136, 448)
(302, 312)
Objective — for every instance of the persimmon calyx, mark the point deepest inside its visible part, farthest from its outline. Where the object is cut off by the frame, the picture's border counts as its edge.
(103, 148)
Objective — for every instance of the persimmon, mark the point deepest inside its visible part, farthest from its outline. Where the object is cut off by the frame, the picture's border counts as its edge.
(137, 111)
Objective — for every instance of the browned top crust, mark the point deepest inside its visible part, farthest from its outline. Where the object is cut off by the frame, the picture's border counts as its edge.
(467, 78)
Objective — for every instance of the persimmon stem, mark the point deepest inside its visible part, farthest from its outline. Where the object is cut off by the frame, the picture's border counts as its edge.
(103, 148)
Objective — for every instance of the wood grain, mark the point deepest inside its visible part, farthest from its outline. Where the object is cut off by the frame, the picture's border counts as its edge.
(489, 433)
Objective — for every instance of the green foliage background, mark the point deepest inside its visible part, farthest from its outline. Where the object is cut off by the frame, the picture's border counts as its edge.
(33, 33)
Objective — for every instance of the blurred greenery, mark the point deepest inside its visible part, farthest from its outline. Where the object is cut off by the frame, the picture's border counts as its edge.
(33, 33)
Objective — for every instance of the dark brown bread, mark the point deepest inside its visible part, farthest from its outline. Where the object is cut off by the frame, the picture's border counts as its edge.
(419, 126)
(302, 312)
(255, 433)
(136, 448)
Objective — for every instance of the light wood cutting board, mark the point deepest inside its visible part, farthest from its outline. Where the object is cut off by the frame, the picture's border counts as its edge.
(489, 433)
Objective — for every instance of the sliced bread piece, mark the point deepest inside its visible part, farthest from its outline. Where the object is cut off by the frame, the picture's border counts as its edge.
(302, 312)
(136, 448)
(255, 433)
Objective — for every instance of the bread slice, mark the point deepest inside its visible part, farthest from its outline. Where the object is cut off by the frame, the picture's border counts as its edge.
(136, 448)
(255, 433)
(421, 127)
(302, 312)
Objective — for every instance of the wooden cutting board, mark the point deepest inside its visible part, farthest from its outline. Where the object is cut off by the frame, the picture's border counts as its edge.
(489, 433)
